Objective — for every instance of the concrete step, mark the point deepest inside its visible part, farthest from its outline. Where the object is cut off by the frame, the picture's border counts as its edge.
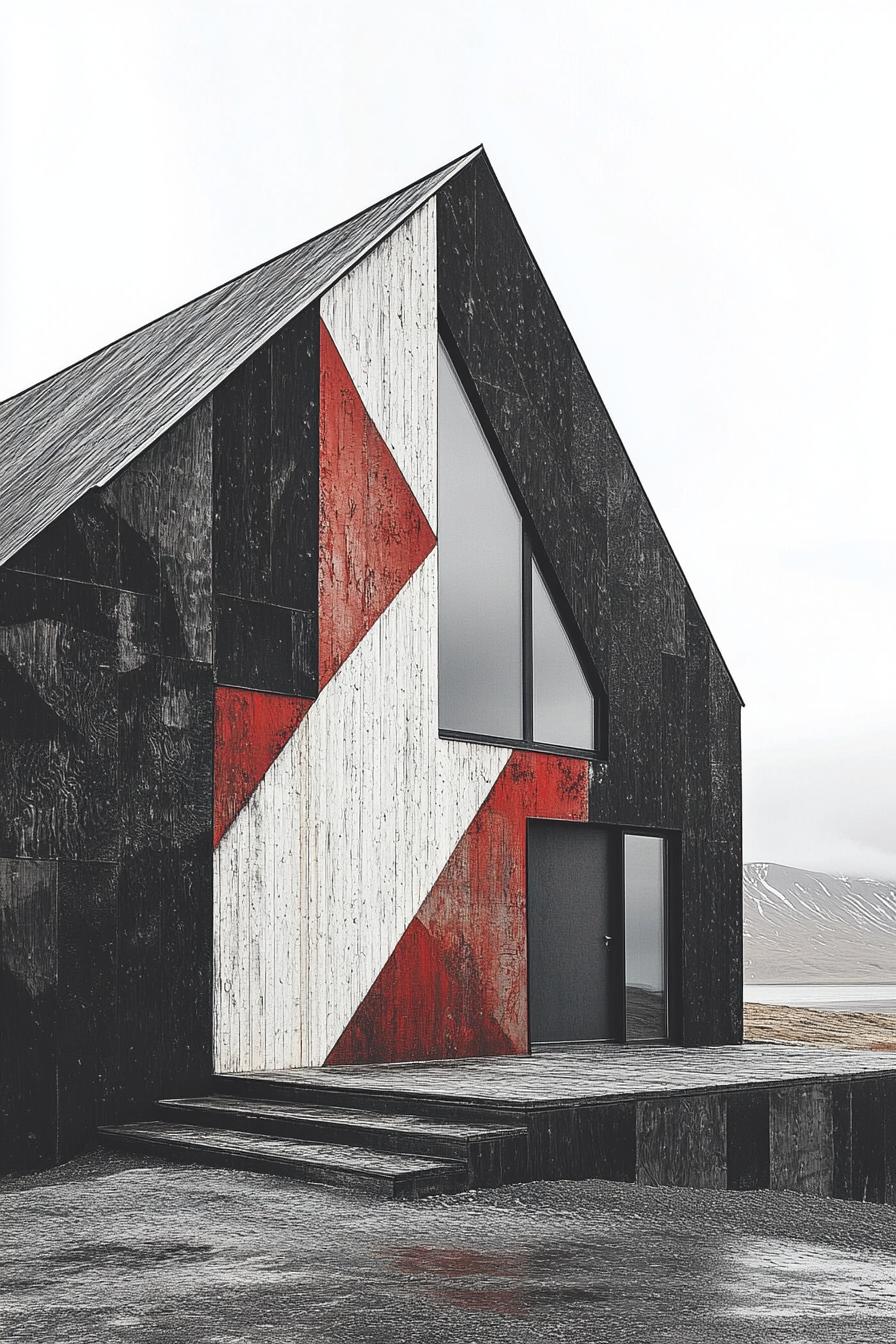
(492, 1154)
(388, 1175)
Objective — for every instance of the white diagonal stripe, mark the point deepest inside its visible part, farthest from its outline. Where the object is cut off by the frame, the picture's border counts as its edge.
(321, 873)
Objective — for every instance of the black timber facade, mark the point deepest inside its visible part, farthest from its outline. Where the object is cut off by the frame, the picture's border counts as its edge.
(674, 713)
(196, 566)
(116, 623)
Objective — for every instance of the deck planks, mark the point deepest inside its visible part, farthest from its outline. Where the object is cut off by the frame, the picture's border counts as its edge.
(609, 1073)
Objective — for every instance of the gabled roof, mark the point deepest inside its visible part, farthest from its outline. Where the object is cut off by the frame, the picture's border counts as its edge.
(79, 427)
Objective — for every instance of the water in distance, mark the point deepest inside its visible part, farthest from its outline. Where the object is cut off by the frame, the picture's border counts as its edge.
(834, 998)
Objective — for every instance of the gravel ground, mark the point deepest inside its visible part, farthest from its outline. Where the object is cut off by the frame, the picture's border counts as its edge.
(110, 1248)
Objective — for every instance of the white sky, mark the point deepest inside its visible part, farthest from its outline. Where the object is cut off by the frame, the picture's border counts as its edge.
(710, 190)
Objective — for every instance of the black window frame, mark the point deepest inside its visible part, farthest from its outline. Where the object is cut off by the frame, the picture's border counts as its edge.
(531, 552)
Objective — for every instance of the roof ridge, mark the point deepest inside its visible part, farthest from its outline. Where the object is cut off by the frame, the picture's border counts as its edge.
(453, 164)
(77, 428)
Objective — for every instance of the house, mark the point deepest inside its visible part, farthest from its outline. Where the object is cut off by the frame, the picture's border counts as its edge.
(353, 705)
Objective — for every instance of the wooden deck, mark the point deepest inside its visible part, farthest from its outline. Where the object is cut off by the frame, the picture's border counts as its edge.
(786, 1117)
(604, 1073)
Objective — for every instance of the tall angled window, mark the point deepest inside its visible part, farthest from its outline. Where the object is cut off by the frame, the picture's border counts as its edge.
(562, 702)
(480, 578)
(508, 670)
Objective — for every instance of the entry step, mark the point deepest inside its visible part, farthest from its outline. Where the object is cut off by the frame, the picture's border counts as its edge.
(388, 1175)
(479, 1145)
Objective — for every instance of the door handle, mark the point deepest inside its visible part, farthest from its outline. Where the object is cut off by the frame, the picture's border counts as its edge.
(607, 939)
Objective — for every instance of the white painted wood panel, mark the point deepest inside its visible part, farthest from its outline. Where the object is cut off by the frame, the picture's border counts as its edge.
(341, 842)
(383, 318)
(361, 811)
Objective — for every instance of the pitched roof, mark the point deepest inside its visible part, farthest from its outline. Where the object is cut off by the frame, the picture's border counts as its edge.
(77, 428)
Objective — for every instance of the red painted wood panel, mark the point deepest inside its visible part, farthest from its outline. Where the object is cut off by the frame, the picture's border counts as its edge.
(251, 729)
(456, 983)
(373, 533)
(416, 1010)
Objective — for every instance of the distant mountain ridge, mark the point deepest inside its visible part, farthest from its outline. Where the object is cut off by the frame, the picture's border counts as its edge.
(811, 928)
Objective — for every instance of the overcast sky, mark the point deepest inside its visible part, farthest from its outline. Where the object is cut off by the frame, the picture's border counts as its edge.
(710, 190)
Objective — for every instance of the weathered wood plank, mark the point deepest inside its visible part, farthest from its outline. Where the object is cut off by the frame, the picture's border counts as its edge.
(242, 480)
(295, 393)
(384, 309)
(841, 1124)
(58, 651)
(674, 738)
(134, 494)
(81, 545)
(801, 1154)
(265, 647)
(682, 1141)
(747, 1129)
(185, 538)
(607, 1141)
(185, 987)
(28, 1051)
(140, 756)
(138, 1007)
(87, 1001)
(704, 968)
(869, 1140)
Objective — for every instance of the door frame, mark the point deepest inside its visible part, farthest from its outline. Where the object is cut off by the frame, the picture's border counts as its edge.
(671, 931)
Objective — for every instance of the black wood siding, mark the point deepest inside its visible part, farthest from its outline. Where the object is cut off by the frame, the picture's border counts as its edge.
(266, 517)
(673, 712)
(197, 563)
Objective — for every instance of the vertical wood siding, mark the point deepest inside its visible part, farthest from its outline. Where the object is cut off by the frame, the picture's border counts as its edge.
(673, 712)
(456, 983)
(251, 729)
(382, 319)
(105, 800)
(373, 534)
(265, 527)
(355, 845)
(324, 869)
(28, 1048)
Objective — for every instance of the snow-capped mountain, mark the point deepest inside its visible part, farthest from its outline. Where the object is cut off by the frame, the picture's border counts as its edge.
(813, 928)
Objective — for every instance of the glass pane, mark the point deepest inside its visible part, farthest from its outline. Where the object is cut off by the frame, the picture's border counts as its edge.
(562, 703)
(480, 576)
(645, 938)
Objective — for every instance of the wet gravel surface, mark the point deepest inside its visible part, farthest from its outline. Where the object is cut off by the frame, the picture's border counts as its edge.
(113, 1249)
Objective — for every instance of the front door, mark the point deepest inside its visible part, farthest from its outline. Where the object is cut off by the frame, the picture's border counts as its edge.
(573, 977)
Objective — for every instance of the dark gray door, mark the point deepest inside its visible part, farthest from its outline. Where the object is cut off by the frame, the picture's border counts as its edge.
(571, 933)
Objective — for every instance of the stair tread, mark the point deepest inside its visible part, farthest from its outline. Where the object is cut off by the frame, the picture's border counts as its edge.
(238, 1143)
(343, 1087)
(342, 1115)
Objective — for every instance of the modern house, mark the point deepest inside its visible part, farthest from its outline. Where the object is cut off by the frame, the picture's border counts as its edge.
(353, 705)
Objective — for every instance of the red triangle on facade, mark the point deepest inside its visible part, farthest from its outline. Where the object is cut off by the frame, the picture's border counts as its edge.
(373, 533)
(251, 729)
(455, 985)
(419, 1008)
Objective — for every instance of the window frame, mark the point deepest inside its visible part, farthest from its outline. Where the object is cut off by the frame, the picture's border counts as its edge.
(531, 552)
